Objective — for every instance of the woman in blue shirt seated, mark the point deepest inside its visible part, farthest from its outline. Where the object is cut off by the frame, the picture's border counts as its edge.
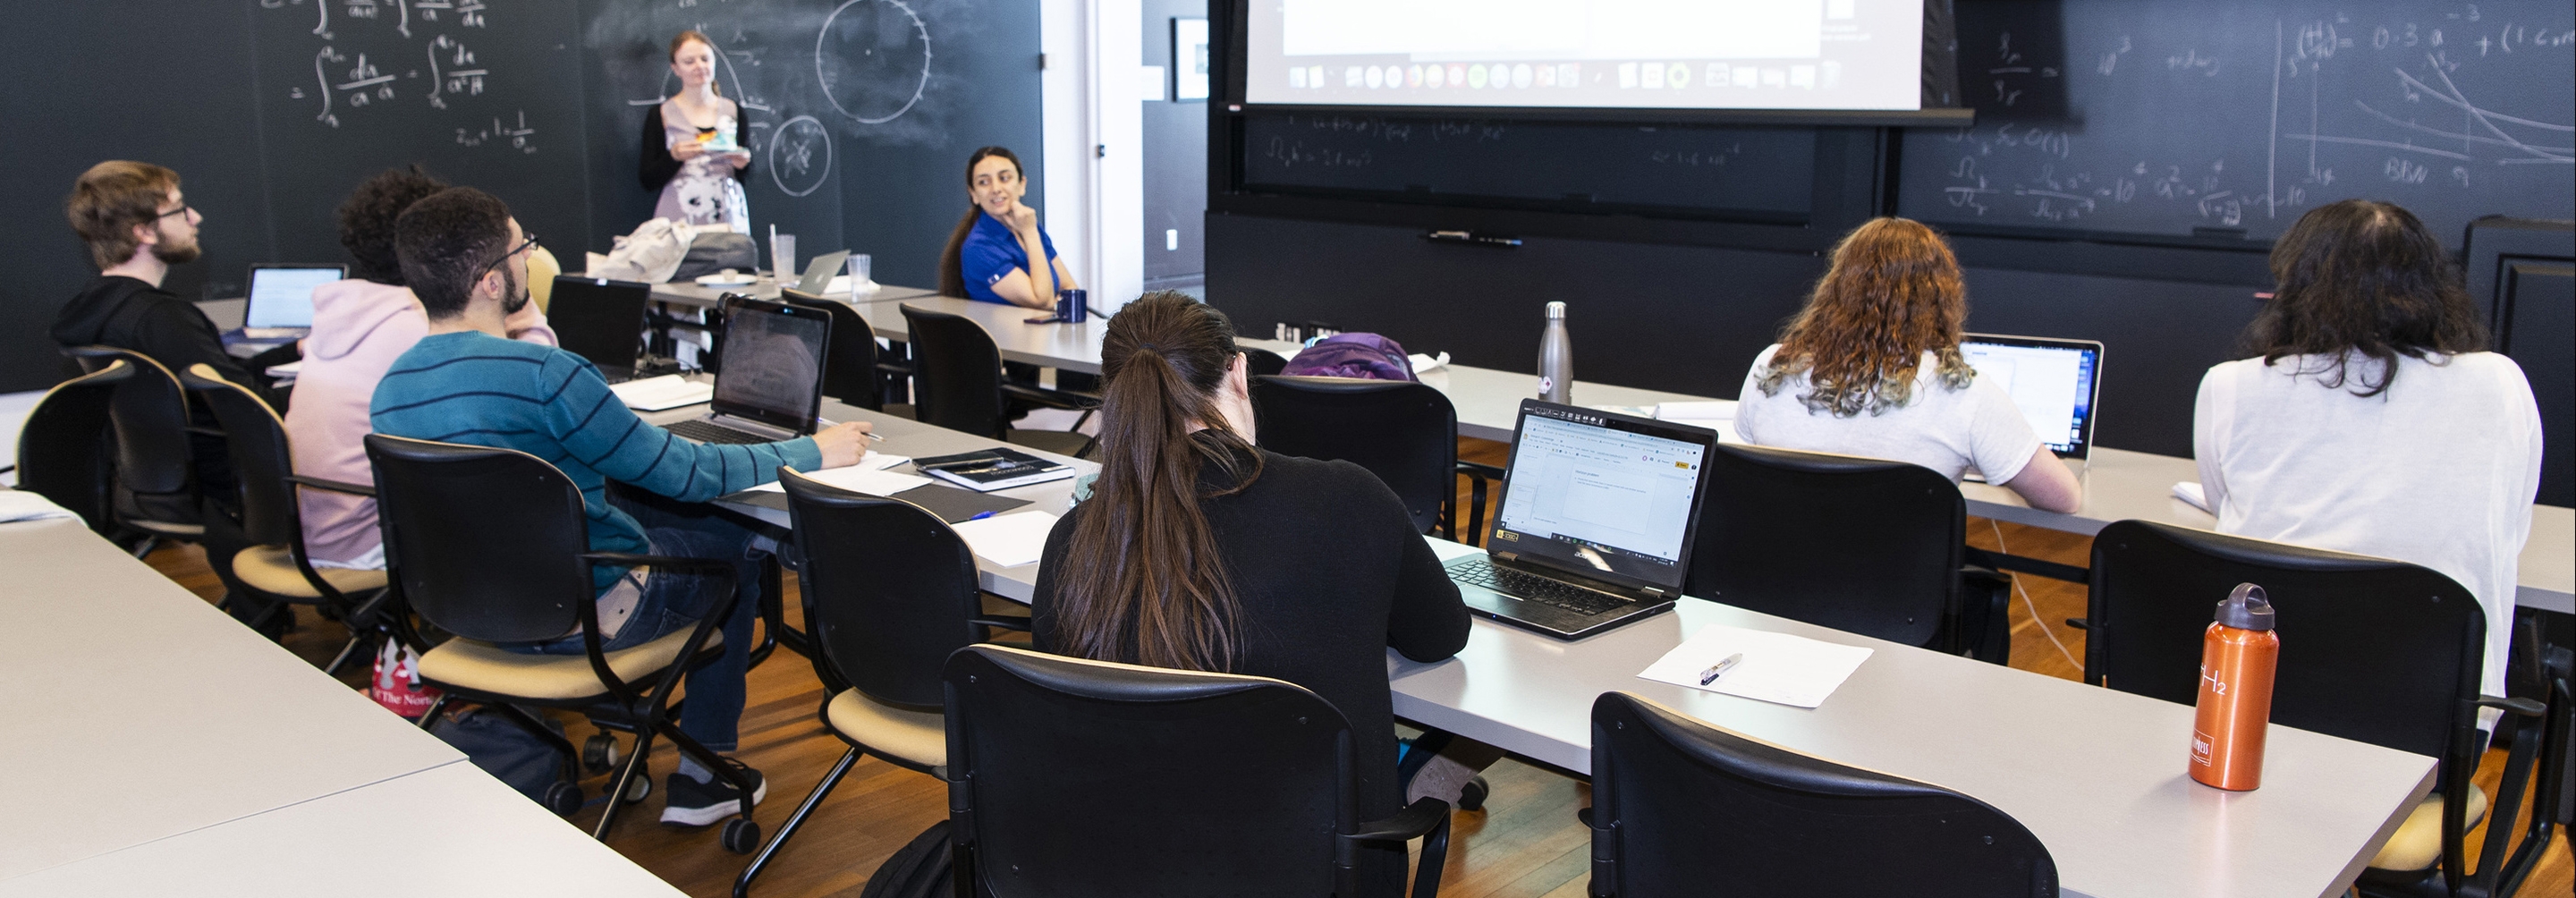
(988, 255)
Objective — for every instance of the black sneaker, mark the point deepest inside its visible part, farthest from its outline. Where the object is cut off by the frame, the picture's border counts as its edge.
(692, 803)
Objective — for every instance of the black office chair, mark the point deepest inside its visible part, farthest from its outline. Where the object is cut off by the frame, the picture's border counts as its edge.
(492, 546)
(1683, 808)
(65, 447)
(2373, 650)
(852, 370)
(155, 495)
(1070, 777)
(1263, 362)
(957, 384)
(889, 592)
(1405, 433)
(272, 563)
(1862, 545)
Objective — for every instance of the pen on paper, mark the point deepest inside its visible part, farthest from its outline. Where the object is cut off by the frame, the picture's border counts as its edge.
(1720, 668)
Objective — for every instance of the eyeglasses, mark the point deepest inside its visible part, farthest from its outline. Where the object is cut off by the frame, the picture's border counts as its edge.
(182, 210)
(524, 246)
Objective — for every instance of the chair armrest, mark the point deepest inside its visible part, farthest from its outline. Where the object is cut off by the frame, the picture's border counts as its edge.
(673, 562)
(2521, 707)
(1479, 469)
(894, 368)
(1413, 822)
(354, 489)
(1020, 624)
(1056, 398)
(205, 431)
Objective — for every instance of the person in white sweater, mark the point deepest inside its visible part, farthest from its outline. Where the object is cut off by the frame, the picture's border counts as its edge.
(2368, 416)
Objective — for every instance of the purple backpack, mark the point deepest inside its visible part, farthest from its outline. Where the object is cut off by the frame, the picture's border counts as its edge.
(1365, 356)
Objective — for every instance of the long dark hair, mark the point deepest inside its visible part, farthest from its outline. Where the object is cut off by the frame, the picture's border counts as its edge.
(952, 269)
(2361, 277)
(1894, 293)
(1141, 580)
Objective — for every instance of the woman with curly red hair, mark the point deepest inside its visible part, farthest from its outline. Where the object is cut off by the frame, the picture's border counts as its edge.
(1872, 367)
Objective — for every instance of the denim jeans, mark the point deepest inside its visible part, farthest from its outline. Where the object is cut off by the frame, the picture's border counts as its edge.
(676, 600)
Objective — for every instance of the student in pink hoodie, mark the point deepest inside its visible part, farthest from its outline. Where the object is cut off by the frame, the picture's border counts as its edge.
(359, 326)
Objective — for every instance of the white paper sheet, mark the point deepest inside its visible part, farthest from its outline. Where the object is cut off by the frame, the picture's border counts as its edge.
(1777, 667)
(2189, 491)
(669, 391)
(868, 476)
(1009, 540)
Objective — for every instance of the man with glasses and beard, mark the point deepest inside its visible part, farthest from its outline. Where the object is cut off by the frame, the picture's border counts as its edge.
(467, 382)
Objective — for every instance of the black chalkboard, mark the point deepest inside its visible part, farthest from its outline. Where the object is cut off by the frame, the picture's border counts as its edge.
(1558, 166)
(2120, 117)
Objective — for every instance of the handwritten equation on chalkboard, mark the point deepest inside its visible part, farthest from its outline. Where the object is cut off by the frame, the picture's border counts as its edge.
(373, 56)
(2168, 117)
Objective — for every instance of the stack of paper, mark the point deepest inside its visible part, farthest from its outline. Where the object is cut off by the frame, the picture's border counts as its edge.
(1009, 540)
(1776, 667)
(653, 394)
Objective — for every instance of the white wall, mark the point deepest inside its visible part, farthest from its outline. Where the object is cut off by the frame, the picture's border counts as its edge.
(1094, 183)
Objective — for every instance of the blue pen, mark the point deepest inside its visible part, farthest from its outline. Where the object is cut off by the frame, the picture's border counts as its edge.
(980, 516)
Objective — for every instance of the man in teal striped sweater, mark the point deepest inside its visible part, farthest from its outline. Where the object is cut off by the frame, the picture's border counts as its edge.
(467, 382)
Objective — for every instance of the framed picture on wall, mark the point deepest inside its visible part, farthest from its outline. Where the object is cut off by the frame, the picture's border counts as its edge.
(1189, 60)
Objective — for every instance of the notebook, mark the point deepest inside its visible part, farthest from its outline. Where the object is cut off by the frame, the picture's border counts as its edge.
(992, 469)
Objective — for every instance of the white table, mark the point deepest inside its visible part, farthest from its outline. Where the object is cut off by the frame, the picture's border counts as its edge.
(694, 295)
(138, 712)
(446, 831)
(2096, 774)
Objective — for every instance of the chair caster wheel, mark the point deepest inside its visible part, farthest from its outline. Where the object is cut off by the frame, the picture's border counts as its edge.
(1472, 796)
(643, 786)
(741, 835)
(563, 798)
(599, 753)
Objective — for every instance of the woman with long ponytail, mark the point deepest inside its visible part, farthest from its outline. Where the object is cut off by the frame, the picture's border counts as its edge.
(1198, 550)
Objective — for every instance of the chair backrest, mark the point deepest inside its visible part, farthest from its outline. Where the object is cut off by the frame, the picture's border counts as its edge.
(262, 462)
(1861, 545)
(150, 416)
(63, 449)
(1405, 433)
(483, 542)
(2373, 650)
(1683, 808)
(957, 373)
(1073, 777)
(889, 590)
(1263, 362)
(850, 362)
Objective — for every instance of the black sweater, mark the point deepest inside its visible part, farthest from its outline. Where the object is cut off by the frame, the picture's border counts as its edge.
(657, 166)
(126, 313)
(1330, 573)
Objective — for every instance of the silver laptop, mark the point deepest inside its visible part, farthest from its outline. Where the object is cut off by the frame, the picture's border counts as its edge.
(771, 385)
(2057, 384)
(1598, 515)
(280, 300)
(819, 273)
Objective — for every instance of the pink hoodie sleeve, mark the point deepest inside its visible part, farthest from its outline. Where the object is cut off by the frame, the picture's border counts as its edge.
(528, 325)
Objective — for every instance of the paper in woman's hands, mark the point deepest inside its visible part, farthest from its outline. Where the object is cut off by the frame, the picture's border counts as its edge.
(1777, 667)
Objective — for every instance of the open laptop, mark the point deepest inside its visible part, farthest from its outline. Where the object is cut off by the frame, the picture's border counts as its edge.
(280, 303)
(819, 273)
(600, 320)
(771, 386)
(1598, 514)
(2057, 384)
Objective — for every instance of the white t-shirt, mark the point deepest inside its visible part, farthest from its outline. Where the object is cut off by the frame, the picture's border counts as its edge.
(1938, 427)
(2439, 470)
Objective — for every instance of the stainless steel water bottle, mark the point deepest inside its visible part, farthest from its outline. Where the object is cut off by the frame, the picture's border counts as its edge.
(1555, 359)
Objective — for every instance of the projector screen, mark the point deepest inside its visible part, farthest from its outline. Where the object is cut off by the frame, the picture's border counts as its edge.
(1605, 54)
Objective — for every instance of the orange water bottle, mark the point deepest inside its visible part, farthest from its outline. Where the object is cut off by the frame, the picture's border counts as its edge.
(2237, 656)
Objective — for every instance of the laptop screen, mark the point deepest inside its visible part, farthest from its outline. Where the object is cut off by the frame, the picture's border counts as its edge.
(599, 319)
(1599, 494)
(773, 363)
(2054, 382)
(282, 295)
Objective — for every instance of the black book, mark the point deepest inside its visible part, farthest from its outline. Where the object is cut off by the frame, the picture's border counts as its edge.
(992, 469)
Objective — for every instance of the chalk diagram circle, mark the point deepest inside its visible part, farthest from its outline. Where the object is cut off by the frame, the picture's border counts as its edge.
(873, 63)
(799, 136)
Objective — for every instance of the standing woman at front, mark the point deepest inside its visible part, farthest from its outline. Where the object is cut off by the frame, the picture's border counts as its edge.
(696, 144)
(989, 255)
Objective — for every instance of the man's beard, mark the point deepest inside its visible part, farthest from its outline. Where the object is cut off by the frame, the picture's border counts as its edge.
(515, 295)
(176, 255)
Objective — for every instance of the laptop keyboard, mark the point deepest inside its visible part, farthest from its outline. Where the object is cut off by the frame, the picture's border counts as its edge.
(707, 432)
(1535, 589)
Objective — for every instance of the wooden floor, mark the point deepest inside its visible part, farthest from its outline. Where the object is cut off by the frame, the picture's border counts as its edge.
(1526, 843)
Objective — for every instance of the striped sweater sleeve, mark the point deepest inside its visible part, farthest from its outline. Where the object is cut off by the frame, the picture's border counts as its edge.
(597, 430)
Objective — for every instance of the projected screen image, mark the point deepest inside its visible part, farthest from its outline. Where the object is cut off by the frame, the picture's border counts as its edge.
(2052, 385)
(1663, 54)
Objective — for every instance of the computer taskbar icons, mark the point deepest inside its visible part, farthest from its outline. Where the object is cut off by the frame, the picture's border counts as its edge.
(1826, 74)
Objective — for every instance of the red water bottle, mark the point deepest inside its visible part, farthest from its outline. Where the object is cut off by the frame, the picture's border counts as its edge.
(2237, 656)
